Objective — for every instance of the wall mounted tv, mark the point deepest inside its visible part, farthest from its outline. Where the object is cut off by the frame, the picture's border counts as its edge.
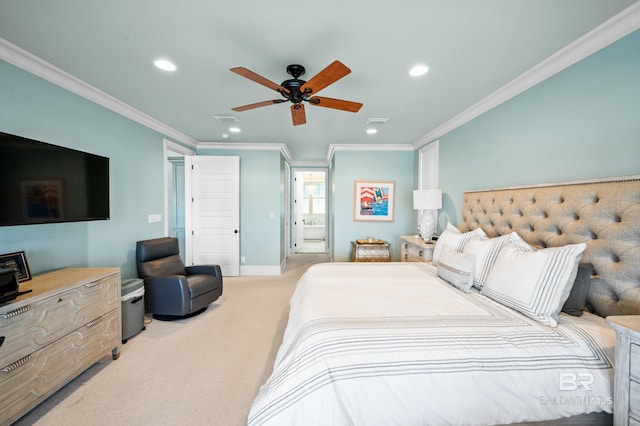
(44, 183)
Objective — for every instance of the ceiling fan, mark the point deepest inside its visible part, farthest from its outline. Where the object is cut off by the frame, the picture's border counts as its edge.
(296, 90)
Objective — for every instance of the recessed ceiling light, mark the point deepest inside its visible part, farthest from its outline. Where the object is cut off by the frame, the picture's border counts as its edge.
(234, 129)
(372, 131)
(165, 65)
(225, 135)
(418, 70)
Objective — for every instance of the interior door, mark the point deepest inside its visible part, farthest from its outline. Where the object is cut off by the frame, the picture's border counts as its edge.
(298, 212)
(212, 198)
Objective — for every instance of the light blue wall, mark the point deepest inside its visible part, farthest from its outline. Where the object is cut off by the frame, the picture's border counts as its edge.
(582, 123)
(349, 166)
(261, 188)
(34, 108)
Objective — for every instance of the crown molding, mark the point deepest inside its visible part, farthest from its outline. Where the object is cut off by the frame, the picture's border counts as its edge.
(310, 164)
(366, 148)
(600, 37)
(244, 146)
(19, 57)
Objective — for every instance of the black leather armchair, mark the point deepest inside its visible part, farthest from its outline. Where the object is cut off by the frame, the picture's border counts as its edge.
(173, 290)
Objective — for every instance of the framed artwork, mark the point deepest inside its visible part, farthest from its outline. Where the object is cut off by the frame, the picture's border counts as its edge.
(18, 262)
(43, 199)
(374, 200)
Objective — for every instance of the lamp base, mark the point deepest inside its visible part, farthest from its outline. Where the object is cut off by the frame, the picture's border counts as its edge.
(427, 225)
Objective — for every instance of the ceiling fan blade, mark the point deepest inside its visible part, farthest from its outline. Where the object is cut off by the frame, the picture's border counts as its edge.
(335, 103)
(334, 72)
(297, 114)
(257, 105)
(258, 78)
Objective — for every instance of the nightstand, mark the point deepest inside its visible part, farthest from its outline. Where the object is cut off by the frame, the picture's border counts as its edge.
(364, 251)
(626, 398)
(415, 249)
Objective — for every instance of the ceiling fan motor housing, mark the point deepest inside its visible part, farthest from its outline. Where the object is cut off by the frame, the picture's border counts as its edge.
(293, 87)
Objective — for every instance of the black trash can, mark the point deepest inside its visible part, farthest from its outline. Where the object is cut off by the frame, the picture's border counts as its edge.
(132, 297)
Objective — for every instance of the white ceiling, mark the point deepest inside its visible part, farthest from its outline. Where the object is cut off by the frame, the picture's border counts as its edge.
(472, 47)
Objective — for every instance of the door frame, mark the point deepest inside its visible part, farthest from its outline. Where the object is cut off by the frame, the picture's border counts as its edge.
(327, 206)
(169, 146)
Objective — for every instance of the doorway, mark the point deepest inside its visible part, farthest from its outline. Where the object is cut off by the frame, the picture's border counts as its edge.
(174, 208)
(310, 202)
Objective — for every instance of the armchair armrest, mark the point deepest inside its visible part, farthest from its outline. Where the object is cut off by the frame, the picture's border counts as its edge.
(206, 269)
(167, 295)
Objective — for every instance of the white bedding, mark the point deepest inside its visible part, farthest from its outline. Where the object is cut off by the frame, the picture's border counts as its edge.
(392, 344)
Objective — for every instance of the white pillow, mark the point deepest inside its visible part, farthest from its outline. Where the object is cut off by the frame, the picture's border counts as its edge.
(456, 268)
(485, 251)
(454, 239)
(534, 282)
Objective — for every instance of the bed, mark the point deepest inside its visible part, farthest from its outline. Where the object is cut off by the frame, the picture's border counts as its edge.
(478, 336)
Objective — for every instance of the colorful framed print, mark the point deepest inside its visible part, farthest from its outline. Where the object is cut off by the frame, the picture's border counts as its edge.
(374, 200)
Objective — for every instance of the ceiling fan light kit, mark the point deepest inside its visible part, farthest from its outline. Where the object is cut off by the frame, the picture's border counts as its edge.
(298, 91)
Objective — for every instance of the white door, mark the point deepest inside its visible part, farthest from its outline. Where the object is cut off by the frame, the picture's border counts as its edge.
(298, 212)
(212, 192)
(287, 207)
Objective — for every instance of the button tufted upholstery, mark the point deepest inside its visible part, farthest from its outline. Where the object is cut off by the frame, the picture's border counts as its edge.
(604, 215)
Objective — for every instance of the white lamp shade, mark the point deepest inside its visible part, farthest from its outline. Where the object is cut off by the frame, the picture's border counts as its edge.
(427, 199)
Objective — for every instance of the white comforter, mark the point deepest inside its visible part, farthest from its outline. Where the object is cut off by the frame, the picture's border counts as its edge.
(392, 344)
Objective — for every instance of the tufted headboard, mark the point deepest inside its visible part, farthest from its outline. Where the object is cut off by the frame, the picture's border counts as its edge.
(604, 214)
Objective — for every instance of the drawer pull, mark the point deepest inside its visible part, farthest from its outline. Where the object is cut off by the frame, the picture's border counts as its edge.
(9, 368)
(15, 312)
(94, 323)
(420, 253)
(92, 284)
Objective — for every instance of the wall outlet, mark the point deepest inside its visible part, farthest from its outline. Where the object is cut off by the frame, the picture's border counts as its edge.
(155, 218)
(242, 259)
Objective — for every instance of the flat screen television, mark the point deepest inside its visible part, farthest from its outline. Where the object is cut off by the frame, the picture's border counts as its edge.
(45, 183)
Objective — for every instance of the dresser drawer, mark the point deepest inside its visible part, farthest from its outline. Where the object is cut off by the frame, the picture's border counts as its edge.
(415, 250)
(24, 382)
(417, 254)
(634, 361)
(27, 327)
(634, 398)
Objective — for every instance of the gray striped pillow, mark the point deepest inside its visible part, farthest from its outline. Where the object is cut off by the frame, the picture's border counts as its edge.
(534, 282)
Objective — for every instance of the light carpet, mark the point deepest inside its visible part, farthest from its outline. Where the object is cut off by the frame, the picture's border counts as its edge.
(204, 370)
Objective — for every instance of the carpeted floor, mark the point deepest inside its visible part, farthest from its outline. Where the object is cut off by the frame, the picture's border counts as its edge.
(204, 370)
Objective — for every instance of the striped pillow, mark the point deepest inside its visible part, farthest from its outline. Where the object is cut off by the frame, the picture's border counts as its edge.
(534, 282)
(452, 238)
(456, 268)
(485, 251)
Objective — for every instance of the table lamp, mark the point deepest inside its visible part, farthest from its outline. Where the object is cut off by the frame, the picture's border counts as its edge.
(429, 201)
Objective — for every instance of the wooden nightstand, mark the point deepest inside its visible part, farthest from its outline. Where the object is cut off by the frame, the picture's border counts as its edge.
(363, 251)
(415, 249)
(626, 398)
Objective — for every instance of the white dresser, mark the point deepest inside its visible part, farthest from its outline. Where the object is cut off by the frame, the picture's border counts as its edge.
(69, 320)
(415, 249)
(626, 399)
